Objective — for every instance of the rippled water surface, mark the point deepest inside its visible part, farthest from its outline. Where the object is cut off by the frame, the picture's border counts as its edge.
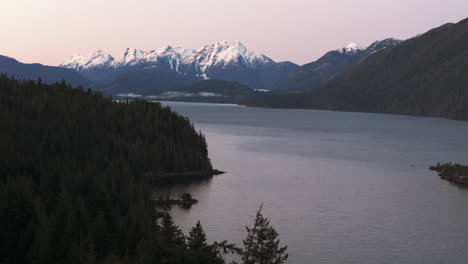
(339, 187)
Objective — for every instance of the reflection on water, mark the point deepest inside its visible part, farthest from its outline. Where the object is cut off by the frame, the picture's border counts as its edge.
(339, 187)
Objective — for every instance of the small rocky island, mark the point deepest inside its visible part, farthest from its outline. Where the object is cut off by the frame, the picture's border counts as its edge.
(185, 201)
(452, 172)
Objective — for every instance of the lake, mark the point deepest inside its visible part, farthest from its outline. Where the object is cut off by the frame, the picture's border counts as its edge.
(338, 187)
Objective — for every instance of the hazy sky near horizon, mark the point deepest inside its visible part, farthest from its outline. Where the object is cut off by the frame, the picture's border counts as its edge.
(49, 31)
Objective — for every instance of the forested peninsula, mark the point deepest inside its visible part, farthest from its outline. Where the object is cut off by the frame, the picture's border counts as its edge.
(74, 187)
(72, 173)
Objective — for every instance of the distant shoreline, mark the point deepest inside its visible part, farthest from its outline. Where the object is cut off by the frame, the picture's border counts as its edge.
(309, 109)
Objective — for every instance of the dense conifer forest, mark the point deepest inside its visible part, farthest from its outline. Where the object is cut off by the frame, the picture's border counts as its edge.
(71, 168)
(72, 186)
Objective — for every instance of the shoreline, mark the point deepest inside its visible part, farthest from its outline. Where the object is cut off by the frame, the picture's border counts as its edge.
(171, 177)
(167, 102)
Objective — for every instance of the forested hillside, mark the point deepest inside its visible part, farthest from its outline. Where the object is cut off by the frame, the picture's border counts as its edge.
(314, 75)
(71, 176)
(147, 82)
(210, 91)
(34, 71)
(425, 75)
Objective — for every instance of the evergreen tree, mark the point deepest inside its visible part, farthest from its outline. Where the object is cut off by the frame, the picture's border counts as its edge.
(171, 232)
(197, 238)
(201, 251)
(261, 245)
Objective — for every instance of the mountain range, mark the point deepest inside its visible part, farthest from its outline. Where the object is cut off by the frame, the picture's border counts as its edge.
(230, 62)
(157, 71)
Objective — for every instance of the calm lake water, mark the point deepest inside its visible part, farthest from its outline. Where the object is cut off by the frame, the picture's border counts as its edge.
(338, 187)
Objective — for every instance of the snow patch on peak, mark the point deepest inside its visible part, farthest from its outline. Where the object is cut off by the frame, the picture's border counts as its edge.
(165, 49)
(383, 44)
(98, 58)
(351, 48)
(223, 54)
(183, 52)
(130, 56)
(240, 46)
(181, 60)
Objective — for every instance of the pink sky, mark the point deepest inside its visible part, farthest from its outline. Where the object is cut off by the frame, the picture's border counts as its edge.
(49, 31)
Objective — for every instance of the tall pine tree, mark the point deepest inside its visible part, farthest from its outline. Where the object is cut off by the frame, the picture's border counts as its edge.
(261, 245)
(201, 251)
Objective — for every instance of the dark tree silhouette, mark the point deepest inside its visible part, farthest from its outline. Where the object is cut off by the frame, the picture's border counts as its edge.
(72, 184)
(202, 251)
(72, 167)
(262, 244)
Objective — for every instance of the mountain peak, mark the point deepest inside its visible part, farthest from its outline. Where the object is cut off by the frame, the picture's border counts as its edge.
(94, 59)
(99, 54)
(165, 49)
(129, 57)
(131, 50)
(351, 48)
(219, 54)
(383, 44)
(4, 58)
(238, 43)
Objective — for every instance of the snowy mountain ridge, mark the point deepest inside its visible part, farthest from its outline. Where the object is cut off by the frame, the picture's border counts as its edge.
(98, 58)
(351, 49)
(182, 60)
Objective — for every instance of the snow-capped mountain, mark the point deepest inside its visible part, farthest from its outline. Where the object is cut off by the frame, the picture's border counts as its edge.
(315, 75)
(222, 55)
(383, 44)
(95, 59)
(351, 49)
(201, 61)
(232, 62)
(167, 57)
(129, 57)
(212, 60)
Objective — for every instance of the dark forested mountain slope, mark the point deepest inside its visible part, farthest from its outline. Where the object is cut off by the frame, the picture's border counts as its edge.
(71, 176)
(264, 76)
(216, 86)
(145, 82)
(35, 71)
(425, 75)
(210, 91)
(315, 75)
